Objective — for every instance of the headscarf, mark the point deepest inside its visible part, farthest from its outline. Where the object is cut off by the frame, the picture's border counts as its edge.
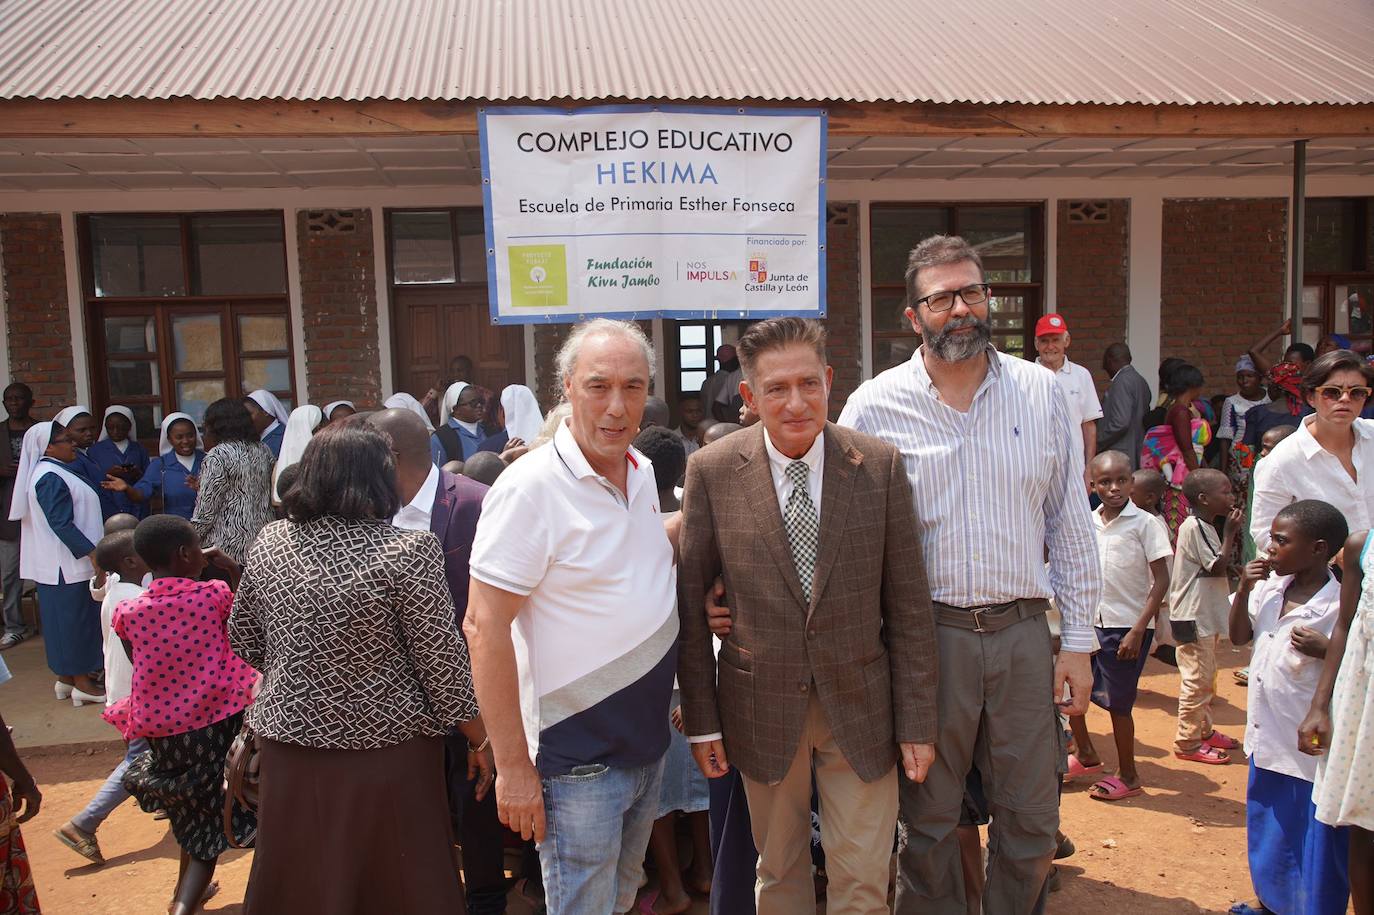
(300, 426)
(404, 401)
(164, 444)
(1289, 377)
(329, 408)
(122, 411)
(270, 404)
(64, 419)
(523, 417)
(450, 398)
(35, 443)
(1245, 364)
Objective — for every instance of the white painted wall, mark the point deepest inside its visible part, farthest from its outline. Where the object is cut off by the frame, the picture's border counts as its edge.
(1146, 194)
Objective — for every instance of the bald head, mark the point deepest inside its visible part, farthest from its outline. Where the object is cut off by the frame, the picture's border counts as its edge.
(484, 467)
(718, 431)
(409, 437)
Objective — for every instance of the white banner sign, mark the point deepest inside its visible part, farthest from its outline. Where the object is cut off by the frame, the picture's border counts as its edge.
(640, 212)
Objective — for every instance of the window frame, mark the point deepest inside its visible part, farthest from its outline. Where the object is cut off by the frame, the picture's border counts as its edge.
(162, 308)
(1033, 291)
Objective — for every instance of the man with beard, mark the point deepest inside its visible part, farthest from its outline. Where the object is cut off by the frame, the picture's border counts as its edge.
(994, 463)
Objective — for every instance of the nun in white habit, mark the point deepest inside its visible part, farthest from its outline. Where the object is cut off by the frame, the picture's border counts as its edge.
(269, 418)
(300, 427)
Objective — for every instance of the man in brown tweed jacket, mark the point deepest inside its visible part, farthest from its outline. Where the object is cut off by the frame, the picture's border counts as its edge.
(830, 663)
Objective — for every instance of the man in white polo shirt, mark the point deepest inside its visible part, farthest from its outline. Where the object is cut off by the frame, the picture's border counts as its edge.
(572, 621)
(1052, 343)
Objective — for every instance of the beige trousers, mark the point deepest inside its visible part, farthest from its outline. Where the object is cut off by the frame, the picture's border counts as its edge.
(858, 822)
(1197, 671)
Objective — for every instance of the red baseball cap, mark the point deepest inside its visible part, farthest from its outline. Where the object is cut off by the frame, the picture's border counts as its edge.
(1051, 324)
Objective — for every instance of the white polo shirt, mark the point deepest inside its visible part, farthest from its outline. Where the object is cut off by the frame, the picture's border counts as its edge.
(1077, 384)
(1126, 546)
(1283, 679)
(596, 640)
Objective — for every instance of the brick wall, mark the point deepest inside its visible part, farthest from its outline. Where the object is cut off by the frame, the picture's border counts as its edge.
(339, 305)
(844, 303)
(34, 274)
(1224, 281)
(1092, 277)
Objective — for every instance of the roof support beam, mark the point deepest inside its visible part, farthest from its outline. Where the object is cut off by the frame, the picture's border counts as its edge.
(274, 117)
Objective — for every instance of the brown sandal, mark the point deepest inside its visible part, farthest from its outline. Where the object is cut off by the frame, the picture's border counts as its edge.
(86, 846)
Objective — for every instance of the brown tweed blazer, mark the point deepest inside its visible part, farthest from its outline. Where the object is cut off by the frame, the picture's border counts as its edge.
(866, 643)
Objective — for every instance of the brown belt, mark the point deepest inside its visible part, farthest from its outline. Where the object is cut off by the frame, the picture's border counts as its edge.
(992, 617)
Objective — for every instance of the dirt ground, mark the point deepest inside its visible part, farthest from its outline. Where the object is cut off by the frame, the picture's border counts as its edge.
(1180, 848)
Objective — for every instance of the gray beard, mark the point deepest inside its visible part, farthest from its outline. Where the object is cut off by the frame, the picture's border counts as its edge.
(950, 348)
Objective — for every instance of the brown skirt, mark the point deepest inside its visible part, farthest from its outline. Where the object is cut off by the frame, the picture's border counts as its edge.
(353, 831)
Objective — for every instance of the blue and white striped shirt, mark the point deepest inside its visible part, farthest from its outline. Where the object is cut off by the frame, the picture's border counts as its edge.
(993, 487)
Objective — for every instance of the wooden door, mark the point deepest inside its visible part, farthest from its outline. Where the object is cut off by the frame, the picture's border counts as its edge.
(434, 324)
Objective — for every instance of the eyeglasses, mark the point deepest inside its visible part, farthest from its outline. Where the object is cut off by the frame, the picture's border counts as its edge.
(937, 302)
(1335, 393)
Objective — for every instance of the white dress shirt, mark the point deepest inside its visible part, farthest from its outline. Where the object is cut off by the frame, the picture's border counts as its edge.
(1283, 679)
(1300, 468)
(1126, 546)
(993, 487)
(415, 515)
(1077, 384)
(778, 463)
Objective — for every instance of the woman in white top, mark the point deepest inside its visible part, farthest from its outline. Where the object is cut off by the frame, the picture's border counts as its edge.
(59, 510)
(1330, 454)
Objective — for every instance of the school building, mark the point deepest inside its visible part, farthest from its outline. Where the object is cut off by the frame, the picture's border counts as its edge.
(201, 198)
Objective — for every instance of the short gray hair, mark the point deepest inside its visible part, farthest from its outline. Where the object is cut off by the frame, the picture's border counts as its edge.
(937, 251)
(568, 353)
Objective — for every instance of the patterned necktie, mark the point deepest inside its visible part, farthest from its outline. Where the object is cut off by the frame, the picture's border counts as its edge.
(803, 527)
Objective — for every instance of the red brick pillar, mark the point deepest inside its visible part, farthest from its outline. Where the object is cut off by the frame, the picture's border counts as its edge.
(34, 274)
(1092, 277)
(339, 306)
(1224, 282)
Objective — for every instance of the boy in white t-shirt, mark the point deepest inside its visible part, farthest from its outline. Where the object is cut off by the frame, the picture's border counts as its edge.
(1134, 552)
(115, 555)
(1199, 605)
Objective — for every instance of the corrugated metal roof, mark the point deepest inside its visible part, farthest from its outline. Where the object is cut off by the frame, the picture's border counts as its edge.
(982, 51)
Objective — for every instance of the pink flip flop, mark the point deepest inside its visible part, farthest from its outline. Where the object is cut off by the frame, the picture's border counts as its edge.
(1078, 770)
(1205, 754)
(1112, 788)
(1220, 741)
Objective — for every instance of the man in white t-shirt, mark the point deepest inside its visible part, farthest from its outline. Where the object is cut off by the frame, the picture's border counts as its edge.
(572, 625)
(1052, 343)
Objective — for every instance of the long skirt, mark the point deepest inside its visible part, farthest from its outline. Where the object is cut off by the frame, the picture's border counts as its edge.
(1299, 866)
(17, 893)
(353, 832)
(184, 775)
(71, 629)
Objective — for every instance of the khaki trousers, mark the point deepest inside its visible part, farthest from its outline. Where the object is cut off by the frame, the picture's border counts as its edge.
(1197, 671)
(858, 821)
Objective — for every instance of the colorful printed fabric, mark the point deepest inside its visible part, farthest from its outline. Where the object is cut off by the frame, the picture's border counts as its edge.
(1160, 450)
(1288, 377)
(17, 893)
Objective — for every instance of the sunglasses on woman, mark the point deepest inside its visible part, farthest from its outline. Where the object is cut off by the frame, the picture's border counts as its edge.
(1335, 392)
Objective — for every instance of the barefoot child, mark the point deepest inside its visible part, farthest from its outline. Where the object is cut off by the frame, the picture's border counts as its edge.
(1133, 549)
(1339, 726)
(1288, 602)
(123, 571)
(188, 696)
(1199, 602)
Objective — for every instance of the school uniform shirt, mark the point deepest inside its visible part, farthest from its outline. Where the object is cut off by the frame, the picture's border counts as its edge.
(1077, 384)
(1193, 594)
(1283, 679)
(1126, 546)
(1300, 468)
(167, 474)
(119, 670)
(106, 455)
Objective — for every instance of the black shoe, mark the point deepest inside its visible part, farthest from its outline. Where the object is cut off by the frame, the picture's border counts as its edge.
(1064, 849)
(1166, 654)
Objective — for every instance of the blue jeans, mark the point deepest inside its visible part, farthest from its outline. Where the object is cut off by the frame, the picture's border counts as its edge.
(112, 793)
(597, 825)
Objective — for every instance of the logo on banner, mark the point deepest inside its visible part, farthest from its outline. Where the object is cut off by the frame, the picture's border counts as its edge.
(758, 269)
(538, 276)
